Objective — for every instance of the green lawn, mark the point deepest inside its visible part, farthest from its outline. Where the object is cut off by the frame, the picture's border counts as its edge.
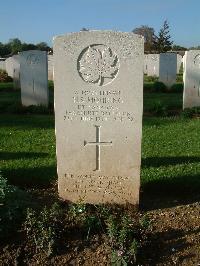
(169, 100)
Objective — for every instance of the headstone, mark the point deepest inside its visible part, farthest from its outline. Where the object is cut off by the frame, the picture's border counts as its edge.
(145, 63)
(50, 67)
(2, 64)
(168, 68)
(179, 62)
(9, 66)
(34, 78)
(98, 79)
(191, 94)
(153, 65)
(16, 71)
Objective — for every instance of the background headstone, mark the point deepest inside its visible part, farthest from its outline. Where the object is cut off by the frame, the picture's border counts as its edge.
(168, 68)
(98, 78)
(9, 66)
(50, 67)
(179, 62)
(34, 78)
(16, 71)
(153, 65)
(2, 64)
(145, 63)
(191, 94)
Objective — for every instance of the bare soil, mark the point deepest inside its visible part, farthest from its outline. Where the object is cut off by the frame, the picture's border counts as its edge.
(172, 239)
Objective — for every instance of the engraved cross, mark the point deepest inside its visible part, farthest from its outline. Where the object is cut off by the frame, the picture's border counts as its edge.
(98, 143)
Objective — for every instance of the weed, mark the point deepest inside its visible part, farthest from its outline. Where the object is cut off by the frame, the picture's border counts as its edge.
(44, 229)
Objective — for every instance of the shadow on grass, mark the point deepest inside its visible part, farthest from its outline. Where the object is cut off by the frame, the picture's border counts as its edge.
(165, 161)
(5, 156)
(27, 121)
(170, 192)
(38, 177)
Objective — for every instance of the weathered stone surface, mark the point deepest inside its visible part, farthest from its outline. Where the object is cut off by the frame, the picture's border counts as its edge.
(179, 62)
(16, 71)
(98, 79)
(168, 68)
(153, 65)
(34, 78)
(50, 67)
(2, 64)
(9, 66)
(145, 63)
(191, 78)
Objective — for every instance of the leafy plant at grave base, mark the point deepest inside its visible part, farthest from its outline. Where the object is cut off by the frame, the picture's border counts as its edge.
(190, 112)
(159, 109)
(44, 230)
(125, 236)
(176, 88)
(4, 76)
(13, 201)
(150, 78)
(179, 77)
(159, 86)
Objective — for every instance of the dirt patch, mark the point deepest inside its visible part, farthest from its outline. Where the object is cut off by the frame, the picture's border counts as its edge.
(172, 239)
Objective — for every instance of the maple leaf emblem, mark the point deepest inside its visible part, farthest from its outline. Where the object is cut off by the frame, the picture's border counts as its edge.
(97, 65)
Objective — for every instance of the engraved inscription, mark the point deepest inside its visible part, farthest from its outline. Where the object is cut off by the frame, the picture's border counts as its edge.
(98, 144)
(98, 64)
(32, 59)
(104, 187)
(98, 105)
(197, 61)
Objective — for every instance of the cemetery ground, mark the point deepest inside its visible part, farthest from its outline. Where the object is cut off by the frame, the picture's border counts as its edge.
(165, 230)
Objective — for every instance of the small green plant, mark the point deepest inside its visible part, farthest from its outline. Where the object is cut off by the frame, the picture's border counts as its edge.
(159, 109)
(13, 201)
(44, 229)
(190, 112)
(159, 86)
(124, 235)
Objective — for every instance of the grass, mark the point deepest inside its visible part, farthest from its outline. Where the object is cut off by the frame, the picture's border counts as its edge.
(171, 156)
(27, 149)
(169, 100)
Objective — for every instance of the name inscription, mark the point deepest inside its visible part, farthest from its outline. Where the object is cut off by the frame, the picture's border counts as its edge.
(98, 105)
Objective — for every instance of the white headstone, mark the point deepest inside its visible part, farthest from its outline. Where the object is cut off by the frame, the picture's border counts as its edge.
(168, 68)
(153, 65)
(50, 67)
(16, 71)
(145, 63)
(179, 62)
(98, 77)
(191, 95)
(9, 66)
(34, 78)
(2, 64)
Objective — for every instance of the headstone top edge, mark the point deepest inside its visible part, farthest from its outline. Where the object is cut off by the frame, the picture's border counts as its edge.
(92, 32)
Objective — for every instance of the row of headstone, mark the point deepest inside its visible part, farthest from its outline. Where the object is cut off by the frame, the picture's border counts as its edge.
(151, 64)
(191, 79)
